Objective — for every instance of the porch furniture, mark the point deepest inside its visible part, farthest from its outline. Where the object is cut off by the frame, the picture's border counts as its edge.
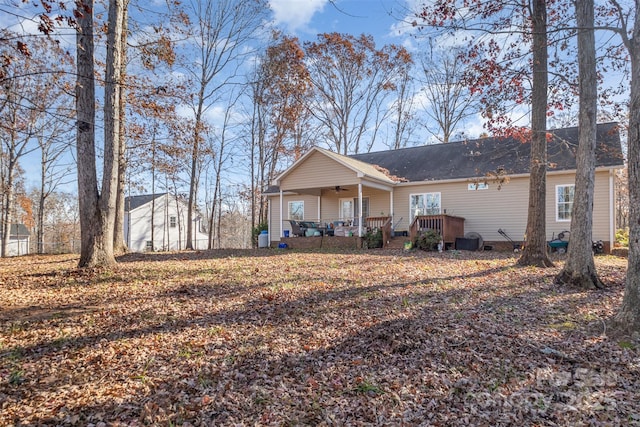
(308, 224)
(345, 230)
(449, 227)
(296, 228)
(329, 230)
(313, 232)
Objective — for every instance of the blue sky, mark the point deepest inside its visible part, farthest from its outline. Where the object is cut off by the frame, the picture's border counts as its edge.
(307, 18)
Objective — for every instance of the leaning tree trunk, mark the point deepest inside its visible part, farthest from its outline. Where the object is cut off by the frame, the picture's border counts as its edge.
(535, 250)
(579, 269)
(628, 318)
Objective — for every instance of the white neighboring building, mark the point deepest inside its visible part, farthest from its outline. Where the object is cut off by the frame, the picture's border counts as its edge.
(169, 224)
(19, 237)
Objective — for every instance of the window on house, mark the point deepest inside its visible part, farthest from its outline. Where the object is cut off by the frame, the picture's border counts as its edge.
(564, 202)
(473, 186)
(365, 207)
(173, 221)
(424, 204)
(349, 209)
(346, 209)
(296, 210)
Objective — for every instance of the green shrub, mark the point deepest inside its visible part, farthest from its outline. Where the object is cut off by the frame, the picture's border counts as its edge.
(428, 240)
(622, 237)
(373, 239)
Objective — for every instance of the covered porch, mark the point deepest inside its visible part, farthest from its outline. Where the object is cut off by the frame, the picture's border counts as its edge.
(325, 194)
(342, 211)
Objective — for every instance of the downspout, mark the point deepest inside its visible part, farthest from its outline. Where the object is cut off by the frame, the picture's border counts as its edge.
(281, 218)
(269, 219)
(359, 209)
(319, 197)
(612, 217)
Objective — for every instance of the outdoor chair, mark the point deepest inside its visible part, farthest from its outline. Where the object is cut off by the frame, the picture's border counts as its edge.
(296, 228)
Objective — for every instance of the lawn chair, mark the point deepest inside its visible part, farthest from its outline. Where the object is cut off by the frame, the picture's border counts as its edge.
(297, 229)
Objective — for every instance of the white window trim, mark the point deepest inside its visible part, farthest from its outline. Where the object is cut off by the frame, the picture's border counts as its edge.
(341, 215)
(411, 215)
(289, 209)
(558, 219)
(173, 221)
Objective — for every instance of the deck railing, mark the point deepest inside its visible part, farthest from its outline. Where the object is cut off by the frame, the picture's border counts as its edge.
(449, 227)
(383, 223)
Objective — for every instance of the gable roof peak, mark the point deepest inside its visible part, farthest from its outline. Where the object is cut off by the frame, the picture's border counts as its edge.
(134, 202)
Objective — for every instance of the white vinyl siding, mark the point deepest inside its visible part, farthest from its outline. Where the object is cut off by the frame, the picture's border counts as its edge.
(484, 211)
(168, 228)
(319, 171)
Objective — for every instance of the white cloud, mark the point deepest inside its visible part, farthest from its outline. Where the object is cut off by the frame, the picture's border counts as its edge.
(296, 14)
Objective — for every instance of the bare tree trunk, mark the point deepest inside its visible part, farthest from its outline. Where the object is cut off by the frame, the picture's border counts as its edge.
(219, 225)
(91, 252)
(580, 269)
(41, 201)
(628, 318)
(195, 154)
(6, 210)
(535, 250)
(112, 115)
(153, 191)
(97, 211)
(119, 244)
(252, 168)
(215, 206)
(211, 223)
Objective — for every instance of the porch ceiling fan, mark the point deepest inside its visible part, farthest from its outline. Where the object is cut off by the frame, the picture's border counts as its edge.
(339, 189)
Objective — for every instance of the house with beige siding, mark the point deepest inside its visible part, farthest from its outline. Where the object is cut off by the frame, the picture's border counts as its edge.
(477, 186)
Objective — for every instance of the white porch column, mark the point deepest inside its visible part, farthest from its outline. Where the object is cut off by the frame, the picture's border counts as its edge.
(391, 210)
(360, 209)
(612, 209)
(269, 220)
(281, 218)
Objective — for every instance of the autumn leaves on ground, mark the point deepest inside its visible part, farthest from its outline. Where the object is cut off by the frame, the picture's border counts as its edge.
(284, 338)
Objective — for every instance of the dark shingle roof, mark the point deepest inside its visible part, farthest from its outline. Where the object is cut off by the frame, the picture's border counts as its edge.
(18, 230)
(476, 158)
(133, 202)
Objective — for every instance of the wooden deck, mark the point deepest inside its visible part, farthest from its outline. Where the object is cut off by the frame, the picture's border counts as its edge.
(448, 226)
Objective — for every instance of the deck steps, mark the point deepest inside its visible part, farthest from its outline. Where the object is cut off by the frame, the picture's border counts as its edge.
(397, 242)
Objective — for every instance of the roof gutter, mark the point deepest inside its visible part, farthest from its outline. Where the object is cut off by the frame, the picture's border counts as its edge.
(519, 175)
